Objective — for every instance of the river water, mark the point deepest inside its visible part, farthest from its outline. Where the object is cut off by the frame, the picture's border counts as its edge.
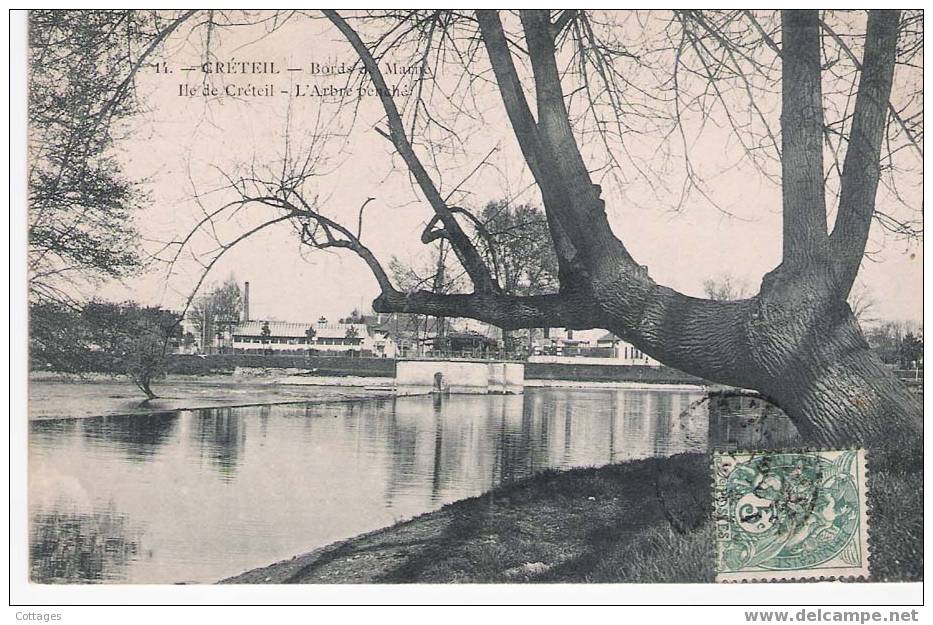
(198, 495)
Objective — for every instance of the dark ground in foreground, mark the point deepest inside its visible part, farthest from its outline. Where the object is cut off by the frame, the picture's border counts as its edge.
(643, 521)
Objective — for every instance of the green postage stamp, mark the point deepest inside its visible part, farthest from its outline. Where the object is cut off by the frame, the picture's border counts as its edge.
(790, 515)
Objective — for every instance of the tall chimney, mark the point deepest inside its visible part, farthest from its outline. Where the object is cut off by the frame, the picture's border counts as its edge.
(246, 302)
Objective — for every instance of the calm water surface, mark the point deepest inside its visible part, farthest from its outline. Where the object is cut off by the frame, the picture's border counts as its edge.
(194, 496)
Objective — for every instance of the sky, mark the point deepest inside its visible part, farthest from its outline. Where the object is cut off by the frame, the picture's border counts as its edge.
(182, 146)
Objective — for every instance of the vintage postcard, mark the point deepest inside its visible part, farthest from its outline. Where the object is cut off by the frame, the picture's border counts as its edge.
(472, 296)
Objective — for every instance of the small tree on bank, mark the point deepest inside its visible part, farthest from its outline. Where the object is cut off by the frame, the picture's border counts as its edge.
(136, 339)
(104, 337)
(144, 358)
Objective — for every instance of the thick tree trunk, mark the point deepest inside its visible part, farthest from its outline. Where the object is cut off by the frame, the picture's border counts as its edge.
(145, 387)
(796, 342)
(842, 394)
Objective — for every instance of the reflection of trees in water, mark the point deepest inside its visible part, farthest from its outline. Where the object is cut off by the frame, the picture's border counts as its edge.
(614, 401)
(403, 447)
(516, 441)
(264, 411)
(685, 409)
(221, 433)
(482, 441)
(747, 421)
(634, 429)
(138, 436)
(657, 423)
(601, 426)
(455, 442)
(568, 430)
(49, 433)
(437, 468)
(70, 547)
(663, 421)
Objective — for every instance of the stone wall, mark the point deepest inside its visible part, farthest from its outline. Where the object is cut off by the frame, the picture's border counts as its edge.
(473, 377)
(321, 365)
(608, 373)
(385, 367)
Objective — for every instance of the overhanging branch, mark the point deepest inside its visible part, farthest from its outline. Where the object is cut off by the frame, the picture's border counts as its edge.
(526, 131)
(504, 311)
(911, 137)
(463, 247)
(576, 213)
(509, 312)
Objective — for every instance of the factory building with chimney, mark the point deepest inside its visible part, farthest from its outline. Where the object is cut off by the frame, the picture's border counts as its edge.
(249, 335)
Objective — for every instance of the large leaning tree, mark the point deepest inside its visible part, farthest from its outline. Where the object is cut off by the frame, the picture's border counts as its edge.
(796, 340)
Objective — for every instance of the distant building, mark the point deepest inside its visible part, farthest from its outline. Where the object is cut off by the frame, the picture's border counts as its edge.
(408, 332)
(282, 336)
(625, 351)
(596, 345)
(463, 344)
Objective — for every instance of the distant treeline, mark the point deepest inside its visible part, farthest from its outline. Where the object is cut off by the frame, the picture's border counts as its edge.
(897, 343)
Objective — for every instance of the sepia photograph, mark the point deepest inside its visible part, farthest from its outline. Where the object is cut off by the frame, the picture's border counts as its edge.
(533, 297)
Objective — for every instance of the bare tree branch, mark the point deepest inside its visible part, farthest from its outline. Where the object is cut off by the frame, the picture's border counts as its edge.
(860, 173)
(469, 257)
(911, 137)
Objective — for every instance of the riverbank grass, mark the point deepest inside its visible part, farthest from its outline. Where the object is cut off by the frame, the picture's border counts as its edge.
(641, 521)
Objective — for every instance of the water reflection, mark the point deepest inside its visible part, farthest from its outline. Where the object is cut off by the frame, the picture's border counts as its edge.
(745, 421)
(210, 493)
(220, 434)
(140, 438)
(70, 547)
